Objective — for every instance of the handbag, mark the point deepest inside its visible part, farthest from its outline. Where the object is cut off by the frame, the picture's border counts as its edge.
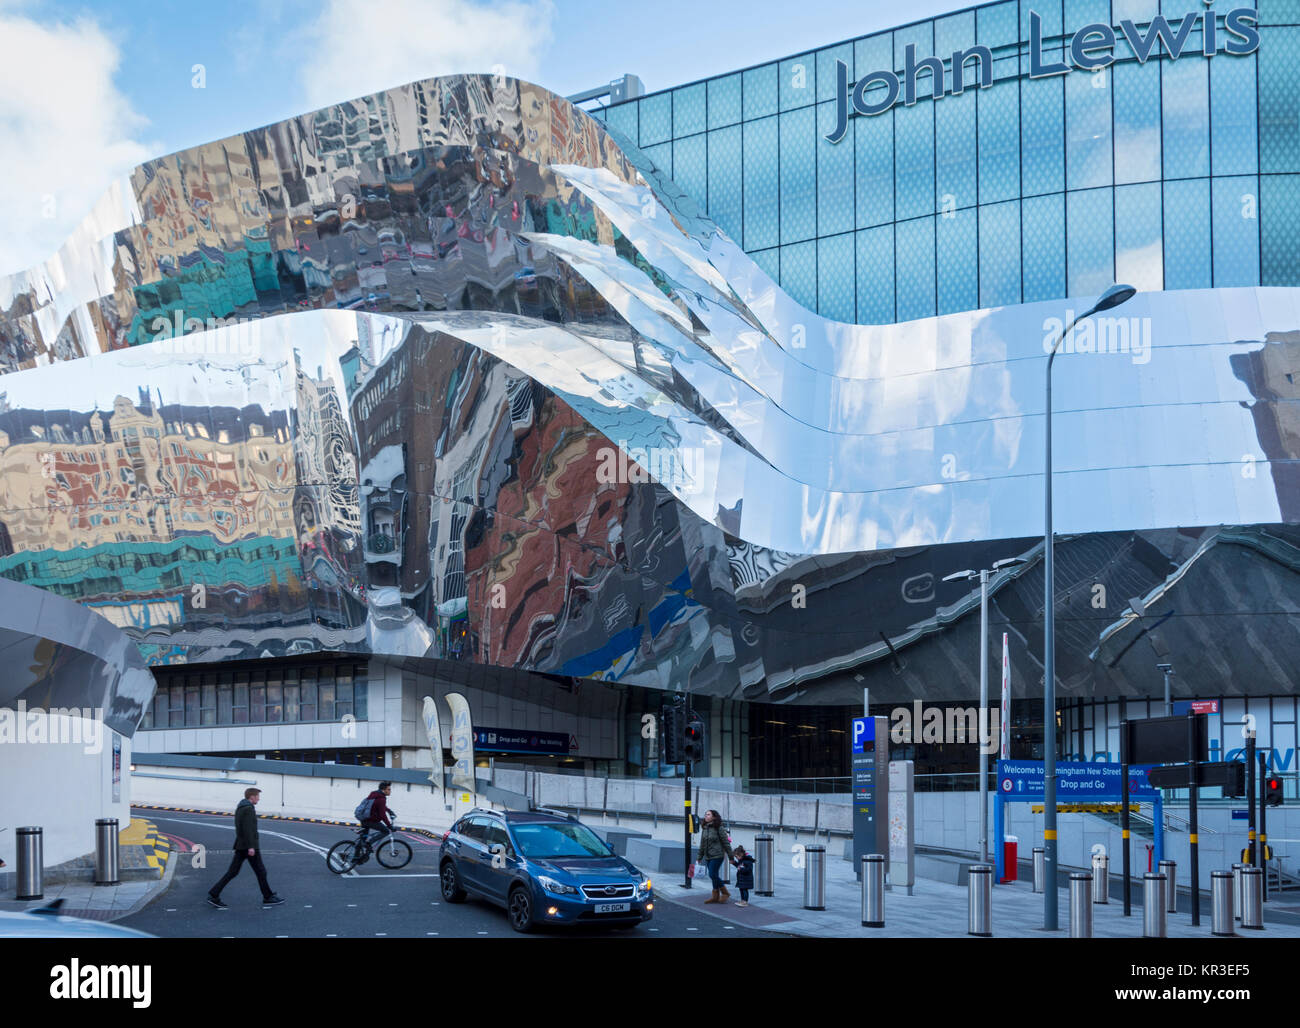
(699, 869)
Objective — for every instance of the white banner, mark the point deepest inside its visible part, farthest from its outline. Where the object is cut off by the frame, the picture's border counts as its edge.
(434, 732)
(462, 743)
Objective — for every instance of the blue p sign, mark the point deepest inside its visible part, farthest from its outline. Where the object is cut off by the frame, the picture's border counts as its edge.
(864, 731)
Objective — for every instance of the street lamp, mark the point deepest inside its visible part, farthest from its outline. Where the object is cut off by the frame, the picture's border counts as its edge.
(983, 576)
(1112, 297)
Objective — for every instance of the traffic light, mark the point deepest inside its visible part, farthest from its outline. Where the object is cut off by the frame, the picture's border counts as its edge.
(693, 739)
(672, 723)
(1273, 791)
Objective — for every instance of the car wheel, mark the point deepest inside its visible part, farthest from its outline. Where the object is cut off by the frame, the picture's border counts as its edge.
(521, 909)
(451, 889)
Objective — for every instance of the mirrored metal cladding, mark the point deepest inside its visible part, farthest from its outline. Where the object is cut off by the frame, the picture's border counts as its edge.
(453, 371)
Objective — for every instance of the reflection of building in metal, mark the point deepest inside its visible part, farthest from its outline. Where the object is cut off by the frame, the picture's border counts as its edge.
(477, 303)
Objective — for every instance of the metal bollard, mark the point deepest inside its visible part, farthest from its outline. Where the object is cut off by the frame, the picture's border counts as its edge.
(873, 891)
(106, 862)
(1155, 918)
(980, 901)
(1081, 905)
(1169, 869)
(30, 873)
(763, 853)
(1040, 868)
(724, 872)
(814, 878)
(1101, 878)
(1252, 898)
(1236, 890)
(1221, 890)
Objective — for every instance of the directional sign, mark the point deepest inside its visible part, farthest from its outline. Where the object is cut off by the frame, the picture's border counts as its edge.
(864, 732)
(1075, 781)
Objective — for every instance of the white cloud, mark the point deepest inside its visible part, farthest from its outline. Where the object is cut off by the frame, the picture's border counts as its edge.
(65, 132)
(358, 47)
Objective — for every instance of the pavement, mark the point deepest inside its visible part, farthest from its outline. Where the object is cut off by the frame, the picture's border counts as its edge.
(939, 910)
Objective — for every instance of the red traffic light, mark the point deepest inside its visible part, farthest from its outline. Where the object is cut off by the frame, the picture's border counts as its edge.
(1273, 791)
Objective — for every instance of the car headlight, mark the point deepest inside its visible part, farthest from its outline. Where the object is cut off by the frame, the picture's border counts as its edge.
(551, 885)
(643, 888)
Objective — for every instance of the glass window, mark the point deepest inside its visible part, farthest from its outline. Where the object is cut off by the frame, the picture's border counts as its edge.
(690, 168)
(343, 696)
(955, 160)
(826, 71)
(307, 685)
(915, 258)
(873, 155)
(1186, 113)
(1278, 12)
(724, 101)
(543, 840)
(1137, 121)
(875, 53)
(1139, 245)
(161, 702)
(725, 181)
(1084, 12)
(958, 255)
(1090, 249)
(798, 81)
(656, 119)
(798, 176)
(1236, 231)
(239, 699)
(920, 35)
(834, 176)
(1042, 146)
(761, 197)
(799, 273)
(662, 155)
(999, 254)
(1088, 129)
(257, 697)
(325, 693)
(1187, 234)
(496, 839)
(689, 110)
(835, 277)
(875, 275)
(1279, 201)
(999, 151)
(1050, 13)
(274, 699)
(360, 700)
(176, 715)
(208, 700)
(292, 710)
(999, 24)
(1279, 85)
(224, 696)
(1233, 116)
(192, 714)
(1043, 241)
(623, 118)
(760, 92)
(955, 32)
(914, 160)
(769, 262)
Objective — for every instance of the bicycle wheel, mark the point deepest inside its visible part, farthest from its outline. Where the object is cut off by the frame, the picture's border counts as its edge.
(342, 857)
(393, 853)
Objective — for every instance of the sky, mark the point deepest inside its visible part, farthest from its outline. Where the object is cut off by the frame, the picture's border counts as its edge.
(87, 91)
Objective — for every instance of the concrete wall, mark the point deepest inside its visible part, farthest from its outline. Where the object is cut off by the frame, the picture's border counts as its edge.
(61, 786)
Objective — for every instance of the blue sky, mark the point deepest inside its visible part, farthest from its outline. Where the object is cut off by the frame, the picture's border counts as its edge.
(87, 91)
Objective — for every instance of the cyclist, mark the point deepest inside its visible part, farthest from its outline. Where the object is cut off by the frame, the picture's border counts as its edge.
(378, 815)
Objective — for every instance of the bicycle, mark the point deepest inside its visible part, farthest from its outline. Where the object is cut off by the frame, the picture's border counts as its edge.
(388, 849)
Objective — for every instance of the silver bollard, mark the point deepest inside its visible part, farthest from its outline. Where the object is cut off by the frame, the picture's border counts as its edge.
(30, 873)
(1081, 905)
(1101, 878)
(814, 878)
(106, 860)
(873, 891)
(1040, 868)
(1155, 918)
(724, 872)
(1252, 898)
(1221, 890)
(980, 901)
(1169, 869)
(1236, 890)
(763, 854)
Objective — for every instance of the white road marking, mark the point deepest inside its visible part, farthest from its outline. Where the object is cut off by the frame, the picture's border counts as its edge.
(331, 935)
(381, 933)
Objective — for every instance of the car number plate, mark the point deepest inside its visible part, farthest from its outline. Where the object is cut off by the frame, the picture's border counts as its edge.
(613, 908)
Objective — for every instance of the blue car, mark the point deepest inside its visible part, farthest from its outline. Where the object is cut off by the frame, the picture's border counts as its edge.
(544, 869)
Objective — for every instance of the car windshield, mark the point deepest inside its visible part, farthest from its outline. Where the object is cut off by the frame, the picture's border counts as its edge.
(545, 840)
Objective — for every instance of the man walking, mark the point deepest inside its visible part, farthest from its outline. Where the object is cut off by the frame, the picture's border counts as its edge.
(247, 847)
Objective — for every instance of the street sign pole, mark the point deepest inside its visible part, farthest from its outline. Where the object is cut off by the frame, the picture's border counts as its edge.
(1123, 809)
(1192, 838)
(686, 868)
(1250, 793)
(1263, 820)
(984, 713)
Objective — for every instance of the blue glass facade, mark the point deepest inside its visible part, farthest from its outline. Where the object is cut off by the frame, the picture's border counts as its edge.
(1170, 174)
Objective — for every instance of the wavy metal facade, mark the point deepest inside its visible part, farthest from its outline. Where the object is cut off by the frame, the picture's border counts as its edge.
(453, 371)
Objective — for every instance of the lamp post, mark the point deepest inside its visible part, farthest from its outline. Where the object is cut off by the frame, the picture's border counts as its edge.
(983, 576)
(1112, 297)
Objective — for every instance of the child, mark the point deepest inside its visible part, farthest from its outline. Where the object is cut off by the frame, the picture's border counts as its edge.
(744, 874)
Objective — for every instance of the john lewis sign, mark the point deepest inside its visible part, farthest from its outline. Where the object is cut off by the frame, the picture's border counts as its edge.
(1092, 47)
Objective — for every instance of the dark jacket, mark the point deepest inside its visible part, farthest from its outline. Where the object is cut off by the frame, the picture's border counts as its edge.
(745, 872)
(713, 843)
(379, 809)
(246, 827)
